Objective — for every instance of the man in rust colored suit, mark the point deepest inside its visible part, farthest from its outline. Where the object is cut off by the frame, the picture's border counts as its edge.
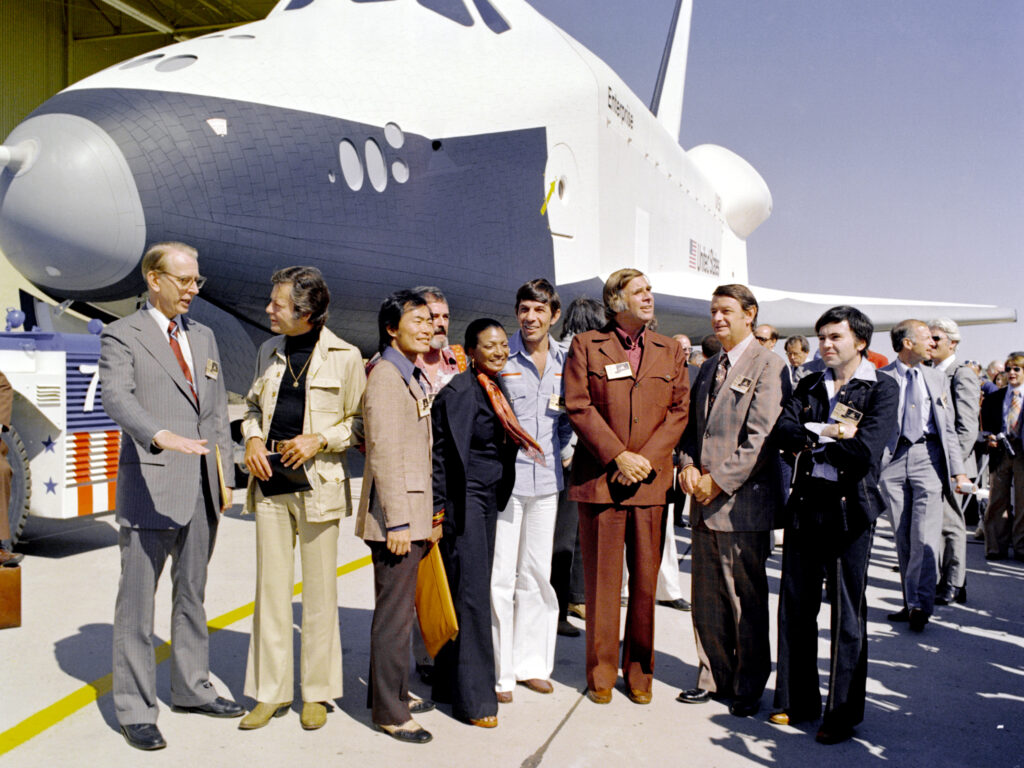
(627, 394)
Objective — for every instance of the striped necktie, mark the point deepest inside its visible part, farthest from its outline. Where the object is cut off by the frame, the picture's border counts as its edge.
(172, 333)
(721, 372)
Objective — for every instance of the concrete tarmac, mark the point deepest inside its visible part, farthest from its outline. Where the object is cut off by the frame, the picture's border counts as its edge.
(950, 696)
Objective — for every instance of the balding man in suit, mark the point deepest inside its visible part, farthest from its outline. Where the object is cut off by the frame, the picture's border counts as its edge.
(735, 478)
(919, 465)
(160, 375)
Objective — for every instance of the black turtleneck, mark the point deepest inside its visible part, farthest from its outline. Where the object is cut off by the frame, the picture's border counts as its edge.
(291, 399)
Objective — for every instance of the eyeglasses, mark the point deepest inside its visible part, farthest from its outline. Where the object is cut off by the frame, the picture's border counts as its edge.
(1014, 369)
(186, 281)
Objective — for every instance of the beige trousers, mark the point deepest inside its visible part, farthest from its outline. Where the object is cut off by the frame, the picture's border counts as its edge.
(269, 672)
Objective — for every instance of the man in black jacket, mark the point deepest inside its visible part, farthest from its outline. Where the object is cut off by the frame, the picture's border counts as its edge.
(837, 423)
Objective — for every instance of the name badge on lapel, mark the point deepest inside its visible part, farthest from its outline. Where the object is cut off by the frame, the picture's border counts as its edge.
(742, 385)
(423, 406)
(618, 371)
(844, 414)
(212, 369)
(943, 400)
(556, 403)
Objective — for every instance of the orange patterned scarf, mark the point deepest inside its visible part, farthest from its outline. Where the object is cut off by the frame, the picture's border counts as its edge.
(508, 419)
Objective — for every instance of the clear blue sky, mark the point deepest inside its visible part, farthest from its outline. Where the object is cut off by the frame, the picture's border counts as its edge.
(890, 133)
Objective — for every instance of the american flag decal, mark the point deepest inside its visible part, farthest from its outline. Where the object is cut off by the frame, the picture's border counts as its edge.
(693, 254)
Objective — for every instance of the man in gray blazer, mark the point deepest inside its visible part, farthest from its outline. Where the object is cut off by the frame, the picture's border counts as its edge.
(734, 477)
(917, 466)
(966, 391)
(160, 378)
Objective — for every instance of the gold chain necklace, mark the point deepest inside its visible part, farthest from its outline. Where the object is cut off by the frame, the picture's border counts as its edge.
(295, 379)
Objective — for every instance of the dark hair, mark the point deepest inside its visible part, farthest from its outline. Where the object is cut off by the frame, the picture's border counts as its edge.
(742, 294)
(902, 330)
(430, 293)
(800, 341)
(582, 314)
(310, 295)
(859, 323)
(391, 311)
(710, 345)
(478, 326)
(539, 290)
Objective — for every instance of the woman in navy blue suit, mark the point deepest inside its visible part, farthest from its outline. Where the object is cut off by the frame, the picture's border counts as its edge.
(475, 446)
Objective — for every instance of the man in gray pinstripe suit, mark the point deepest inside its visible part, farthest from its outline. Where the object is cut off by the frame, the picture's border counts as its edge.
(161, 383)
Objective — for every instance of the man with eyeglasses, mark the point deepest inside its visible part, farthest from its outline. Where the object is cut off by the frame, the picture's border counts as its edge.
(1001, 424)
(766, 336)
(161, 383)
(966, 391)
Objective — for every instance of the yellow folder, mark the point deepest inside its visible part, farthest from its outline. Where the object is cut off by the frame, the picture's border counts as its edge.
(434, 605)
(225, 492)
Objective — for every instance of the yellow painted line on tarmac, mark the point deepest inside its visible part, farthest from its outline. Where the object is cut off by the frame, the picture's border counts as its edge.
(45, 718)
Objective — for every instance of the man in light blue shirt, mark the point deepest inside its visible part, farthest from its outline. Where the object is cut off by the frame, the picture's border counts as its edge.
(524, 608)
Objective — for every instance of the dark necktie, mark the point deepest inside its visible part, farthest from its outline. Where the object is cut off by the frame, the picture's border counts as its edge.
(172, 332)
(912, 401)
(720, 373)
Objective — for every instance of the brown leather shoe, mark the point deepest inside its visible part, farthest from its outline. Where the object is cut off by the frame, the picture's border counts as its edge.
(538, 685)
(579, 610)
(504, 697)
(491, 721)
(599, 697)
(639, 697)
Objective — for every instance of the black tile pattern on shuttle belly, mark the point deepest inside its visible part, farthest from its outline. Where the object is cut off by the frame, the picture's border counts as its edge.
(260, 198)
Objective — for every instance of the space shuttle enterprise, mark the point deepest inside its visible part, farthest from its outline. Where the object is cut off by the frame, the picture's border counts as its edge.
(470, 144)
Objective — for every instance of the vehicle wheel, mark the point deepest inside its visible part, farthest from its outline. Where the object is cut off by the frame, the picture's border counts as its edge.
(21, 486)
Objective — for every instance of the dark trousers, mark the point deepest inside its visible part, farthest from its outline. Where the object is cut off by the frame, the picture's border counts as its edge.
(394, 586)
(464, 668)
(730, 610)
(815, 552)
(566, 562)
(604, 531)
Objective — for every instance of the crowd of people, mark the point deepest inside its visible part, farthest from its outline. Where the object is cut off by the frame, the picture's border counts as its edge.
(542, 471)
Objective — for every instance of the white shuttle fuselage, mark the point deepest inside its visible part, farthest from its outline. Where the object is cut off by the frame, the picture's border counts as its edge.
(471, 145)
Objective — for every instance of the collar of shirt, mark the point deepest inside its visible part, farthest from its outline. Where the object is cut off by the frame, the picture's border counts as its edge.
(631, 341)
(736, 352)
(946, 364)
(402, 363)
(162, 320)
(516, 348)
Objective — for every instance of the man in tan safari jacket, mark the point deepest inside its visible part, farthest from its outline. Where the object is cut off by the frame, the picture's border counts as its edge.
(304, 411)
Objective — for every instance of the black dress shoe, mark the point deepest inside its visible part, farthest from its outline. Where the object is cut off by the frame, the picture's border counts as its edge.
(694, 696)
(901, 615)
(917, 619)
(409, 735)
(961, 595)
(744, 707)
(144, 736)
(565, 629)
(419, 706)
(995, 555)
(834, 734)
(679, 604)
(219, 707)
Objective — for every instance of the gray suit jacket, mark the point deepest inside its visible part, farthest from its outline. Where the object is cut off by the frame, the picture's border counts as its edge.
(144, 391)
(731, 442)
(966, 390)
(942, 413)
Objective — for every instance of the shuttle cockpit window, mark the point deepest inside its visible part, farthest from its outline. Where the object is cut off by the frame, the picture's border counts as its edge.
(492, 18)
(451, 9)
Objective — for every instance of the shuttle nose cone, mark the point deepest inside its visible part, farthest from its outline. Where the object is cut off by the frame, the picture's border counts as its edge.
(71, 220)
